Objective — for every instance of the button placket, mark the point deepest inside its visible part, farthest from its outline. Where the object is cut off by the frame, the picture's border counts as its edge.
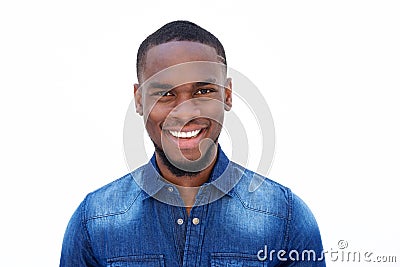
(194, 235)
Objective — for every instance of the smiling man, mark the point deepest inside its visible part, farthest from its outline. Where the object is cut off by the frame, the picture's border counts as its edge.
(190, 205)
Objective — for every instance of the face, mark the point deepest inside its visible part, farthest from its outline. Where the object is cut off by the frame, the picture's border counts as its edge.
(182, 96)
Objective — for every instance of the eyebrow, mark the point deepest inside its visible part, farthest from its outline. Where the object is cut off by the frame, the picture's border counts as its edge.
(206, 82)
(166, 86)
(157, 85)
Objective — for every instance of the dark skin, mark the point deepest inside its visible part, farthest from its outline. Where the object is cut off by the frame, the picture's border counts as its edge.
(192, 108)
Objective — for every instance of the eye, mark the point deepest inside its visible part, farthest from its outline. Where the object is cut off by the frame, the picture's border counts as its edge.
(163, 93)
(204, 91)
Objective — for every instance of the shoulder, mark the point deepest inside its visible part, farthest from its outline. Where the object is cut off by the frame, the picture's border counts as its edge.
(262, 194)
(114, 198)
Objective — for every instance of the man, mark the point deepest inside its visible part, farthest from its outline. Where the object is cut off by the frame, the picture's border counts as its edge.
(190, 205)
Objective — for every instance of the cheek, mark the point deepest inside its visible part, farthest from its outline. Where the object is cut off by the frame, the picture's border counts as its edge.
(154, 118)
(214, 111)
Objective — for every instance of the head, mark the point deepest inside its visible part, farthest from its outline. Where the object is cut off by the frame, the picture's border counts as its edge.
(177, 31)
(182, 94)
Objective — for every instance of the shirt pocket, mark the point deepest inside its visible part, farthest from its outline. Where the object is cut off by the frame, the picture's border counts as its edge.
(137, 261)
(236, 260)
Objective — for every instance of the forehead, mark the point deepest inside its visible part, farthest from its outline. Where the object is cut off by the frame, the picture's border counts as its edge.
(164, 56)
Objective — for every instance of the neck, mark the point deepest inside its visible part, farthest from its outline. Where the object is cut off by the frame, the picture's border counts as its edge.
(186, 180)
(187, 185)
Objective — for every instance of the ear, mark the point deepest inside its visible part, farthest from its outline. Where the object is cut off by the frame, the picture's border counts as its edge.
(138, 99)
(228, 94)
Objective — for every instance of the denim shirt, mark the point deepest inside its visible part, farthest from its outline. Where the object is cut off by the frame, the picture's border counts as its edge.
(139, 220)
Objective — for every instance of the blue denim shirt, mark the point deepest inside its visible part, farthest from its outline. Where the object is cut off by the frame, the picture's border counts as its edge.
(139, 220)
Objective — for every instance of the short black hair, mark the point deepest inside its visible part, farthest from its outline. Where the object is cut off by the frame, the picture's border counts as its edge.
(180, 30)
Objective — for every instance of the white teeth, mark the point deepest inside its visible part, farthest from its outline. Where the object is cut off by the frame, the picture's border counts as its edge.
(185, 134)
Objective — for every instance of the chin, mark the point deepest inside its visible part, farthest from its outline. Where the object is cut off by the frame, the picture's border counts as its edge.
(189, 161)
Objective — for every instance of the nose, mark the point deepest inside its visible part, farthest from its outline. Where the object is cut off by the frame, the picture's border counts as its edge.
(185, 110)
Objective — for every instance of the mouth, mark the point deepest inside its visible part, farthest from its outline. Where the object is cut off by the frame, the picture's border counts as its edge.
(182, 134)
(186, 138)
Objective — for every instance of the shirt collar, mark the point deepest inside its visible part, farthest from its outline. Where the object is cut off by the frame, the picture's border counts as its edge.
(222, 177)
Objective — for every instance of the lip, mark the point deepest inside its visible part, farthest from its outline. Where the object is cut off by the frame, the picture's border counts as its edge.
(185, 134)
(185, 128)
(186, 143)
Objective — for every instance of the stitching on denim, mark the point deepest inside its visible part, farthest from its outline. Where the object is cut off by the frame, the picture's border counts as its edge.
(229, 255)
(115, 213)
(205, 217)
(136, 258)
(84, 225)
(247, 206)
(289, 220)
(174, 230)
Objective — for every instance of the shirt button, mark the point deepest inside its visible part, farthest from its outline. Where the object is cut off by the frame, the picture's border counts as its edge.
(170, 189)
(179, 221)
(195, 221)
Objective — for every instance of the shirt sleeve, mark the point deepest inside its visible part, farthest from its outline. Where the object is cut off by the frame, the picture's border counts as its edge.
(76, 248)
(303, 237)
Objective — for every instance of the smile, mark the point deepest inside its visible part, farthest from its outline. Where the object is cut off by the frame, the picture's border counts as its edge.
(190, 134)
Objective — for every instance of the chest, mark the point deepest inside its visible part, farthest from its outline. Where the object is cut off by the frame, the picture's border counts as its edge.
(218, 234)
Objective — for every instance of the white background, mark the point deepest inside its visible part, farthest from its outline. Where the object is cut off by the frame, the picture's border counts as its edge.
(329, 72)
